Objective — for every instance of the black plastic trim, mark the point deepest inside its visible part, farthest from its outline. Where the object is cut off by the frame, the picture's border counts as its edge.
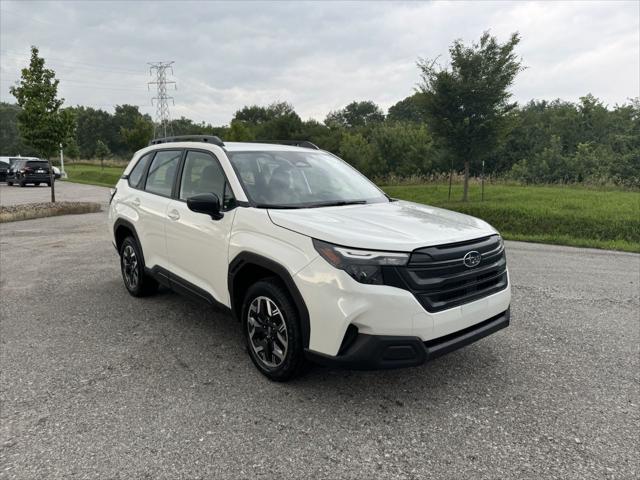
(372, 352)
(244, 259)
(125, 223)
(184, 287)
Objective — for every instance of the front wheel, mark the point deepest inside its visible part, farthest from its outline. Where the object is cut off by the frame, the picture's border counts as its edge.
(138, 283)
(272, 330)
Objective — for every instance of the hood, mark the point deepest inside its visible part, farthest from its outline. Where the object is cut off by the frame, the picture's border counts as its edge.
(394, 226)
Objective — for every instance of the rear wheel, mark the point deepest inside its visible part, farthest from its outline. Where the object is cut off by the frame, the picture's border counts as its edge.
(272, 330)
(137, 282)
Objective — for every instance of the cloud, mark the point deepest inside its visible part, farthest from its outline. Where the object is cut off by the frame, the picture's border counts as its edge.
(318, 56)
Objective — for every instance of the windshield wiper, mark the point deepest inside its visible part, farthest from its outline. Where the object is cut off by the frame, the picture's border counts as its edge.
(276, 206)
(338, 203)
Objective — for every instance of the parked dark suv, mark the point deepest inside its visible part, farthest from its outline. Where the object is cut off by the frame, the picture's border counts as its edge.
(24, 171)
(4, 168)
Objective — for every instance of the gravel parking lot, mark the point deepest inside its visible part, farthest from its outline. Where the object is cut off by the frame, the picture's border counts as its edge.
(97, 384)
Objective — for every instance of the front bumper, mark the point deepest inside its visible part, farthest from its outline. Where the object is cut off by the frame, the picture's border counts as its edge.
(335, 302)
(370, 352)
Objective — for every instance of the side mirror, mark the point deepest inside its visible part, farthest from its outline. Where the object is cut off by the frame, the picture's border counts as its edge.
(208, 203)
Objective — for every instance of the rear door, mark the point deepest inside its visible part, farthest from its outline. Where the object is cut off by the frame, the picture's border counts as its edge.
(198, 246)
(151, 203)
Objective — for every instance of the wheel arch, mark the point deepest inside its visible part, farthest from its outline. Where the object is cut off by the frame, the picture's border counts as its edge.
(123, 229)
(247, 268)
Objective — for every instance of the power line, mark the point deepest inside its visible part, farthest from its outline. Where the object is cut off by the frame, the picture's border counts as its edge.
(84, 84)
(70, 63)
(163, 118)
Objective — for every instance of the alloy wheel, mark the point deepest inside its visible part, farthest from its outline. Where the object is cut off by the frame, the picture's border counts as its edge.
(130, 268)
(268, 335)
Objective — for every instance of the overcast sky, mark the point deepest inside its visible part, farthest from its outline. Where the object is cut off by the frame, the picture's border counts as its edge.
(318, 56)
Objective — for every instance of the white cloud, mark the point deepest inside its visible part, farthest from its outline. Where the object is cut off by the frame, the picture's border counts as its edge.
(318, 56)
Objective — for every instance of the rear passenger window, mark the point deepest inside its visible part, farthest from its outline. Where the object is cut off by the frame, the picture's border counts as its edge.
(136, 174)
(162, 172)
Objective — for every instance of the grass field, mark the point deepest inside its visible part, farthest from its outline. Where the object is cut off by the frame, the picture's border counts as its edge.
(93, 174)
(578, 216)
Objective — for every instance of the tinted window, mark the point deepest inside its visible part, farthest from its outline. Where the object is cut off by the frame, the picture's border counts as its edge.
(203, 174)
(37, 164)
(162, 172)
(136, 174)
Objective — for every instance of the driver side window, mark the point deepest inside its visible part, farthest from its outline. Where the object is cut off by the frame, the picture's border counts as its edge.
(203, 174)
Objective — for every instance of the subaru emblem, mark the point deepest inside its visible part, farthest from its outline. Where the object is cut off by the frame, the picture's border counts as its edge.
(472, 259)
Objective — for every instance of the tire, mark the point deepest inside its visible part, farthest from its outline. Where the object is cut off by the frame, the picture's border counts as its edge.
(48, 184)
(37, 184)
(277, 360)
(22, 184)
(136, 281)
(10, 184)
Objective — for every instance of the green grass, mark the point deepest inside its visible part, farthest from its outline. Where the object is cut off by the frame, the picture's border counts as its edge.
(93, 174)
(577, 216)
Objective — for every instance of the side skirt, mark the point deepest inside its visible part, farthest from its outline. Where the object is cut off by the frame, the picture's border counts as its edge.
(185, 288)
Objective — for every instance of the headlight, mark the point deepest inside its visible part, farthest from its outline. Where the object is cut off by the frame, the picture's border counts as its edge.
(365, 266)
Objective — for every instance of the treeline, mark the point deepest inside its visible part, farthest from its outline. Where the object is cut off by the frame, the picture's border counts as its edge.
(546, 142)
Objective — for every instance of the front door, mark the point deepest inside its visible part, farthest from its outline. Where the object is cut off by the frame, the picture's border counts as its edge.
(197, 245)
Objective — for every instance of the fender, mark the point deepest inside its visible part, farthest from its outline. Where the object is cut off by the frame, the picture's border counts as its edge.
(125, 223)
(249, 258)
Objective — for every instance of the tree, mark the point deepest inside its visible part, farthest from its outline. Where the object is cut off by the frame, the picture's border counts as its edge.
(468, 102)
(42, 122)
(10, 141)
(127, 117)
(239, 132)
(411, 109)
(356, 114)
(356, 150)
(138, 135)
(102, 151)
(93, 124)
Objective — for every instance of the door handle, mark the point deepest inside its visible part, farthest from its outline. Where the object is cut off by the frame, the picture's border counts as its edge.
(173, 215)
(135, 202)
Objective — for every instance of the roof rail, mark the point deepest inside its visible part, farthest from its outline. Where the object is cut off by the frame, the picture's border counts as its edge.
(189, 138)
(293, 143)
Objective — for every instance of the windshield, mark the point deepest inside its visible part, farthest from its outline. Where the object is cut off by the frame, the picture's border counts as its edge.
(301, 180)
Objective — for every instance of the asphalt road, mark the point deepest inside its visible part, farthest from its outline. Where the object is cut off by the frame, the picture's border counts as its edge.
(65, 191)
(97, 384)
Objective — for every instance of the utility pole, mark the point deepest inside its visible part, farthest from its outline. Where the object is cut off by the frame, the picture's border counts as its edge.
(482, 198)
(63, 174)
(162, 125)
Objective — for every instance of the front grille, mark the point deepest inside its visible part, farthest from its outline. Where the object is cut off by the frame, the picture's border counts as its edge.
(439, 279)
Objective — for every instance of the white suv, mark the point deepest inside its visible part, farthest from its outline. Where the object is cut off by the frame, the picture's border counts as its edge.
(312, 258)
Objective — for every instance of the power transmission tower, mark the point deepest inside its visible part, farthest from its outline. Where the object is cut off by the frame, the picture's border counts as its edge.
(162, 125)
